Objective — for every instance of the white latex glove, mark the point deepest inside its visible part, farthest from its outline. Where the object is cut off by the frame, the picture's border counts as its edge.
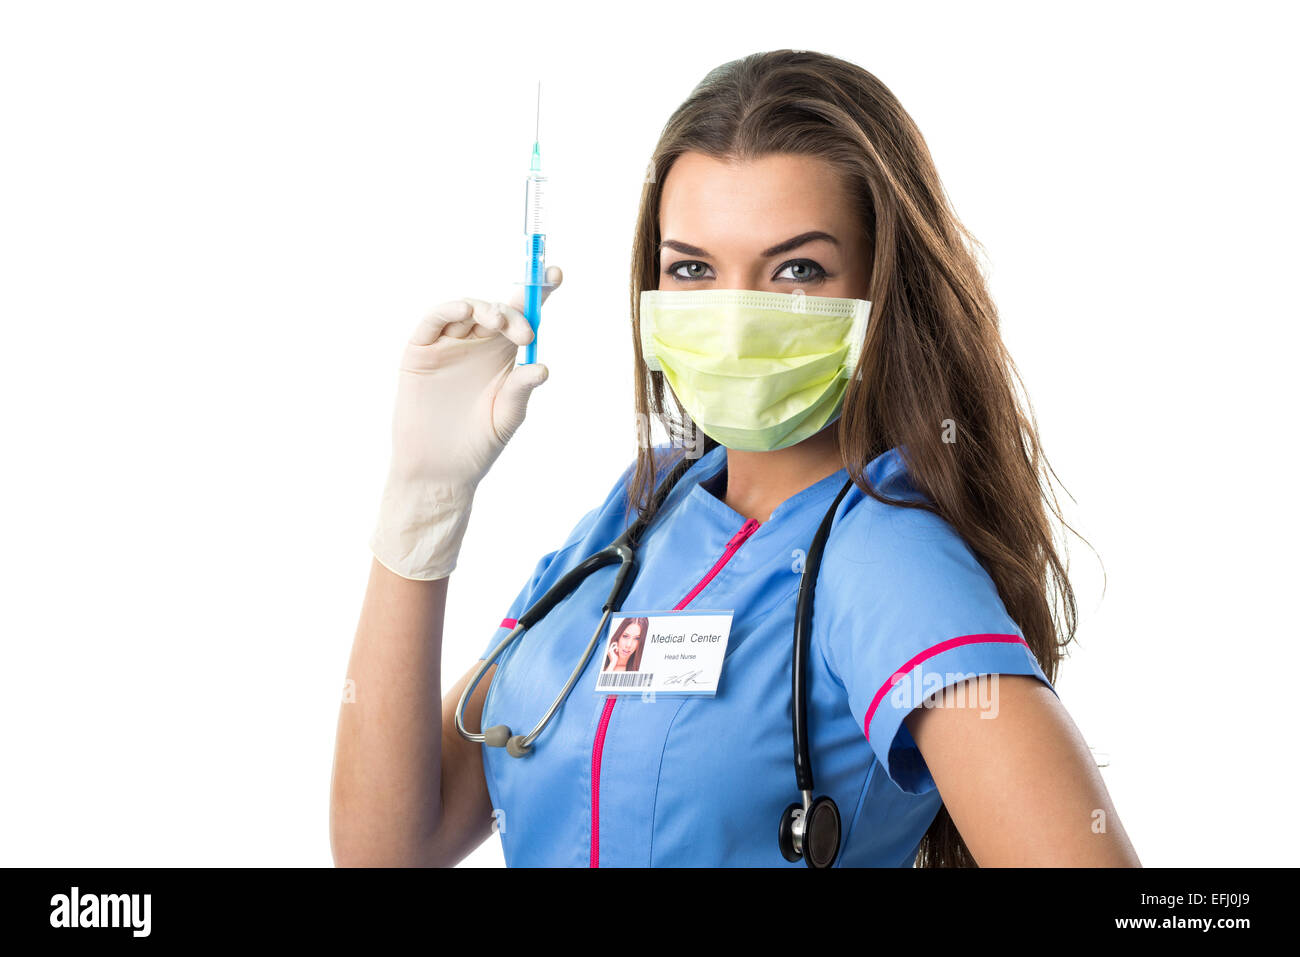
(460, 397)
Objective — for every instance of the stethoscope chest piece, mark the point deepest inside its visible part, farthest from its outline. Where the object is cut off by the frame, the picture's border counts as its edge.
(811, 835)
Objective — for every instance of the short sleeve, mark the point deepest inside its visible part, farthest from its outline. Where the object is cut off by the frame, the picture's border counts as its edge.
(533, 589)
(553, 564)
(909, 610)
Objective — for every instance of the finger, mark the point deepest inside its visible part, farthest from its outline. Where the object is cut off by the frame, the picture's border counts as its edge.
(499, 318)
(554, 276)
(512, 399)
(517, 329)
(433, 325)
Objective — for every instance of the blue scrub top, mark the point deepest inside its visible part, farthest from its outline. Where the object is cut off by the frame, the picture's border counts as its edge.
(903, 608)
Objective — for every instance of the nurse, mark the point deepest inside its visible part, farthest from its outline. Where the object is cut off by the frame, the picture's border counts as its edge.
(933, 723)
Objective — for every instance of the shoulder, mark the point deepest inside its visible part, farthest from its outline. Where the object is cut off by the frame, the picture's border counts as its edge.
(893, 545)
(902, 569)
(614, 513)
(601, 525)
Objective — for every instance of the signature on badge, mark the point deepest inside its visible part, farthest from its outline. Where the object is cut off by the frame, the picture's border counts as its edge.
(685, 678)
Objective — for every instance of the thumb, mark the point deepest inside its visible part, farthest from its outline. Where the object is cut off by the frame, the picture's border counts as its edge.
(512, 398)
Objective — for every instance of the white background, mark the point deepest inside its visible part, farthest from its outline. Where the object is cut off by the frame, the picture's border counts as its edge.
(219, 221)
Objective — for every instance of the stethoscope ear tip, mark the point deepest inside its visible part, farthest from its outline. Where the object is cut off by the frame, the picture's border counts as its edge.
(499, 736)
(516, 748)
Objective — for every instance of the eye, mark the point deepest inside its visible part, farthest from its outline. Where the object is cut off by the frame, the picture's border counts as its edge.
(802, 270)
(695, 270)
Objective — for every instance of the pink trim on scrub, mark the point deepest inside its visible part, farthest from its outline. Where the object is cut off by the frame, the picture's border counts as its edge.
(598, 746)
(930, 652)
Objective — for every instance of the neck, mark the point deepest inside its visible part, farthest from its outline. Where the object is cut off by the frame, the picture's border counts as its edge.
(757, 482)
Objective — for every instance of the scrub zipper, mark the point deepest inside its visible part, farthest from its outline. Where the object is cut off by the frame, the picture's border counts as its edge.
(598, 746)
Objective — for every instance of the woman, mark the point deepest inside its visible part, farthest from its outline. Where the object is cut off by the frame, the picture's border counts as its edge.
(624, 650)
(797, 174)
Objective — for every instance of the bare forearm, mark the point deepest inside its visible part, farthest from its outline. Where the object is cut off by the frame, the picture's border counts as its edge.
(386, 794)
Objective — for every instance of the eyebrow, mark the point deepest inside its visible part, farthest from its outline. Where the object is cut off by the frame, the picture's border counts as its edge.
(794, 242)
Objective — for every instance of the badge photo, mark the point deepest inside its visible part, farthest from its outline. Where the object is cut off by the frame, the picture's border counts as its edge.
(665, 652)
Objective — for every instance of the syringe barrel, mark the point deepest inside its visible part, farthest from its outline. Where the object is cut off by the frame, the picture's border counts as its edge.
(535, 258)
(534, 215)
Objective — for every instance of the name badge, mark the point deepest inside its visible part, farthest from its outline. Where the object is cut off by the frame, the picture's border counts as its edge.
(664, 652)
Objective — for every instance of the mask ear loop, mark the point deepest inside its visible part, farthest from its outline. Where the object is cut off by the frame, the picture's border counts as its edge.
(646, 322)
(857, 338)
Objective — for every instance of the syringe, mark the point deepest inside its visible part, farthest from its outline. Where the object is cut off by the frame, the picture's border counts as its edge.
(535, 239)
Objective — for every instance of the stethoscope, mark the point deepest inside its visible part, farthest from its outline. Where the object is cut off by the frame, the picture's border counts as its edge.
(809, 829)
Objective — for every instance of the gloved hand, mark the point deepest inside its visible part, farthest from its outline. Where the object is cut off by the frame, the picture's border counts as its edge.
(460, 397)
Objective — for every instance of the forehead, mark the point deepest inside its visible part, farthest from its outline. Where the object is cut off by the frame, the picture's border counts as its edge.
(757, 203)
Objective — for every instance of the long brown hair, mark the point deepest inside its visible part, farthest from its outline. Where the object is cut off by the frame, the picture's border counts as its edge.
(936, 380)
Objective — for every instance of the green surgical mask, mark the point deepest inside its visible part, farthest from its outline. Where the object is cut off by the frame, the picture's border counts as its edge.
(757, 371)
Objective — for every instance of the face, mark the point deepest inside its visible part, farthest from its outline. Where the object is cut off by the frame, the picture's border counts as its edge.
(628, 641)
(777, 223)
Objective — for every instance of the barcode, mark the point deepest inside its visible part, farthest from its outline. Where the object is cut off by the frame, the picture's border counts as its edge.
(636, 679)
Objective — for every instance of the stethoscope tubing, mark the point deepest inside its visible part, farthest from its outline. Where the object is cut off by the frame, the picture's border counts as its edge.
(802, 634)
(621, 550)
